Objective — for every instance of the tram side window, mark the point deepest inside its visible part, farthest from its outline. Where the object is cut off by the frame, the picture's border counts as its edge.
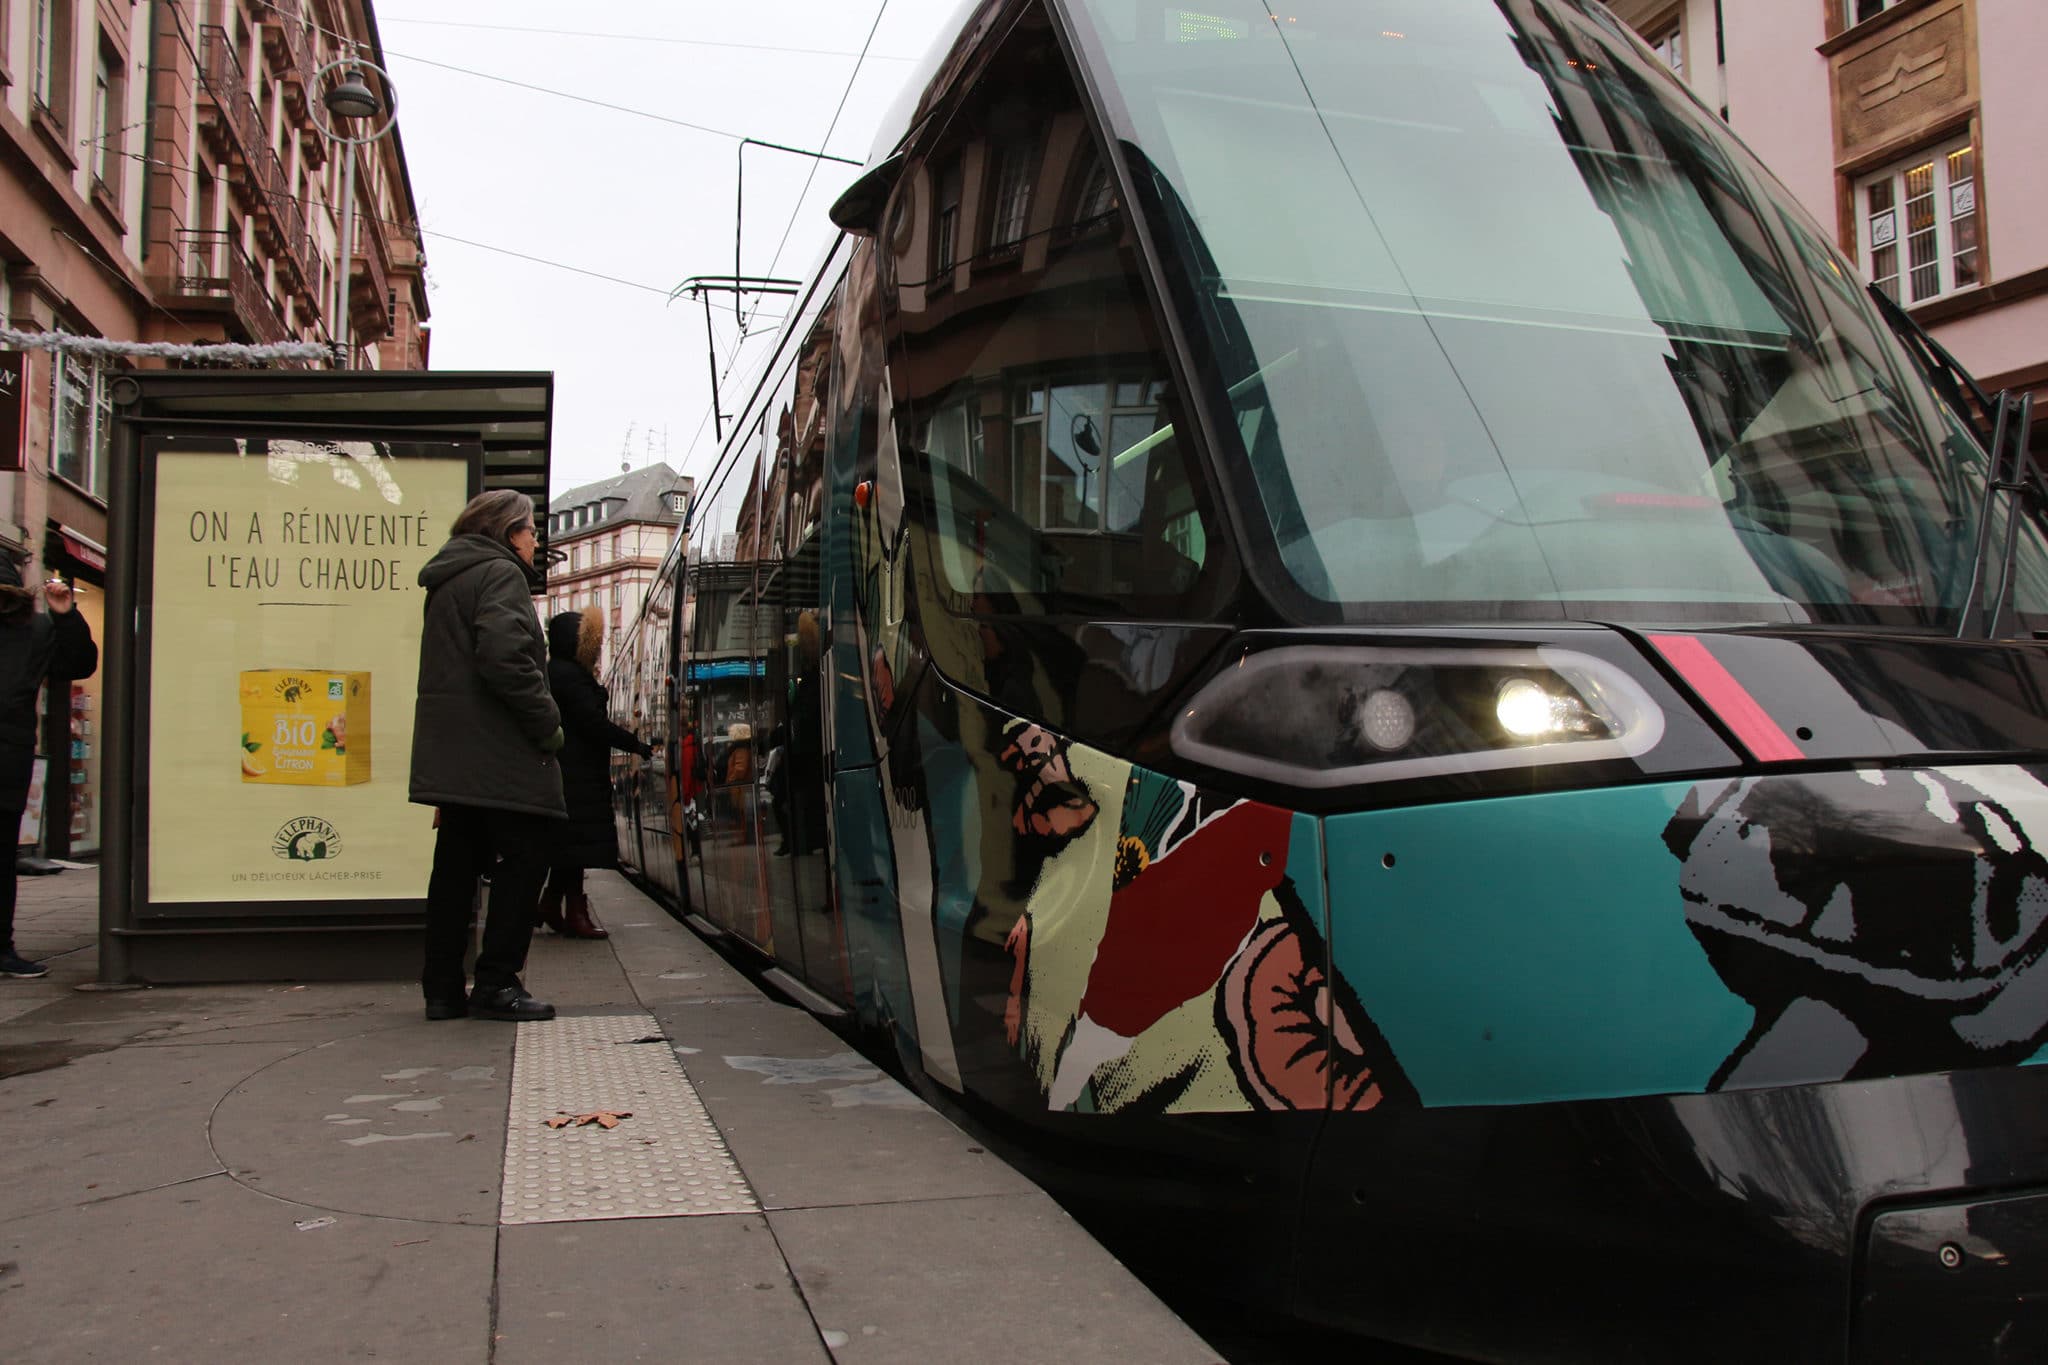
(1038, 413)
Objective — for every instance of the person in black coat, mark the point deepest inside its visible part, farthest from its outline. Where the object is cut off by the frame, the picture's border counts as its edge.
(33, 646)
(575, 639)
(485, 734)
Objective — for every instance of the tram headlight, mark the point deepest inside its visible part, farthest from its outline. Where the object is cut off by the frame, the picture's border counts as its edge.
(1333, 715)
(1527, 709)
(1387, 720)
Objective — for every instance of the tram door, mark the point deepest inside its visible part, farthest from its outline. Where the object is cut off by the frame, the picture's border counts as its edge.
(807, 936)
(723, 673)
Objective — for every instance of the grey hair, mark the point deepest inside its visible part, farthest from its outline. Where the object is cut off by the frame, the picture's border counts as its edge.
(494, 515)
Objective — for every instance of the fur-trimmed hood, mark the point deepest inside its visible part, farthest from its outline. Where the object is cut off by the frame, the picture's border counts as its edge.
(577, 635)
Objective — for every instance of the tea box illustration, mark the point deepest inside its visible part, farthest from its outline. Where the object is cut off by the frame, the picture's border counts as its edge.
(305, 727)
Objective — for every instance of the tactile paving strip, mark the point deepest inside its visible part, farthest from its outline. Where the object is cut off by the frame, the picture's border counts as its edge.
(666, 1161)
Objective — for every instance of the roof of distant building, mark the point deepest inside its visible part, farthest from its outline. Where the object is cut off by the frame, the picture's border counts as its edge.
(639, 495)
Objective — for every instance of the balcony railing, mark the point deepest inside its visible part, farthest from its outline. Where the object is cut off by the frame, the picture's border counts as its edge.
(284, 38)
(225, 90)
(370, 280)
(288, 216)
(208, 269)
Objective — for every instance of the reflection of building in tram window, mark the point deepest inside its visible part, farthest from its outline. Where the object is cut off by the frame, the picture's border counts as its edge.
(946, 230)
(1012, 202)
(1053, 463)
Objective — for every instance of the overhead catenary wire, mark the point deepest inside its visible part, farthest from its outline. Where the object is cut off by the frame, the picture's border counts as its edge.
(721, 469)
(566, 95)
(384, 19)
(303, 202)
(826, 141)
(413, 226)
(865, 54)
(740, 138)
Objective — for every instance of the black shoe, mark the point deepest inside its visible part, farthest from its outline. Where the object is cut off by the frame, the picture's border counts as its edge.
(458, 1008)
(510, 1003)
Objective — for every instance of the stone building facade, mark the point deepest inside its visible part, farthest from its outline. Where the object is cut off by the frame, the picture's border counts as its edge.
(166, 177)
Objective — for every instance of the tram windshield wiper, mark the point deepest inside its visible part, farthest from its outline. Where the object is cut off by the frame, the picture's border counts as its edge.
(2003, 423)
(1955, 384)
(2013, 472)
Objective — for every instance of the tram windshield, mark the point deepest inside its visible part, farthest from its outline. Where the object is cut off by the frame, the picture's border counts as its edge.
(1507, 324)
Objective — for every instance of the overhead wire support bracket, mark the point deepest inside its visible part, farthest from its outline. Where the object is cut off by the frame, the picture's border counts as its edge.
(739, 207)
(702, 287)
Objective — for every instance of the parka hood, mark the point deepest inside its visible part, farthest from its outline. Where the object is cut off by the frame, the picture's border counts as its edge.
(463, 553)
(577, 635)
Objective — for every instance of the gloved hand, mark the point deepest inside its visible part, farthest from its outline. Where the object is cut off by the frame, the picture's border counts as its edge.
(553, 742)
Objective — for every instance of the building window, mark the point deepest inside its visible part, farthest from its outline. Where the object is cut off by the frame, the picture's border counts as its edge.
(1669, 45)
(109, 101)
(1060, 436)
(946, 229)
(1917, 226)
(1098, 192)
(82, 423)
(617, 540)
(1011, 207)
(1859, 10)
(50, 58)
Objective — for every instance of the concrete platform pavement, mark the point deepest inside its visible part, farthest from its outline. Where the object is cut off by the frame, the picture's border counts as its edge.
(267, 1172)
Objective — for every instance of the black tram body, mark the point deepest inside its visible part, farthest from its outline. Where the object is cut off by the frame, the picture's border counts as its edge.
(1347, 625)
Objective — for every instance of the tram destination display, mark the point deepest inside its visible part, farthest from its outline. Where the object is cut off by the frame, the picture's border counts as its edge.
(284, 595)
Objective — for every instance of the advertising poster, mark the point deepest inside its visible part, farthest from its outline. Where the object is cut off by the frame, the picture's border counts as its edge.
(282, 665)
(32, 817)
(13, 408)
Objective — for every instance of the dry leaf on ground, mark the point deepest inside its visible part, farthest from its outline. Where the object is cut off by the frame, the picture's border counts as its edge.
(603, 1118)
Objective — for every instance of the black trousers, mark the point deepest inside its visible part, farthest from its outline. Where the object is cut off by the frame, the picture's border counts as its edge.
(10, 824)
(566, 881)
(513, 848)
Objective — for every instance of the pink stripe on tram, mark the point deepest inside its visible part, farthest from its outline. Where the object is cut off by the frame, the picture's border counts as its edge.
(1728, 699)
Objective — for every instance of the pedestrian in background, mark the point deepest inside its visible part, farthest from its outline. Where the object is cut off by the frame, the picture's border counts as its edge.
(575, 639)
(33, 646)
(687, 781)
(485, 734)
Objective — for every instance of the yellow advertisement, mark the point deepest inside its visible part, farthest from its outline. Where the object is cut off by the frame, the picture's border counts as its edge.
(283, 662)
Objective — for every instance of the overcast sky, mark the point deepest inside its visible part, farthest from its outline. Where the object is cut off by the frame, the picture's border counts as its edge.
(641, 200)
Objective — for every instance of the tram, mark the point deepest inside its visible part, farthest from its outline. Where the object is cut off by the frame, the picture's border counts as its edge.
(1343, 617)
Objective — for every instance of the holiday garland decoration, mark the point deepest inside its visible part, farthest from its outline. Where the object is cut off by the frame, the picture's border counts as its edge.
(228, 351)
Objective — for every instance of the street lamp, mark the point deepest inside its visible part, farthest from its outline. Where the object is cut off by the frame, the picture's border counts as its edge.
(349, 100)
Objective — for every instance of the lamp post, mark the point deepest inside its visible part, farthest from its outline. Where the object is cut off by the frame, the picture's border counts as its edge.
(350, 100)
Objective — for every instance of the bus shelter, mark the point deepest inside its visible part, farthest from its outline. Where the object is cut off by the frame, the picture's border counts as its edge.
(266, 534)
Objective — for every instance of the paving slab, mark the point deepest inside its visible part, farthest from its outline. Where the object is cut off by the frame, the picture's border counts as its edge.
(999, 1278)
(268, 1172)
(708, 1290)
(402, 1121)
(812, 1122)
(212, 1271)
(662, 961)
(310, 1013)
(115, 1122)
